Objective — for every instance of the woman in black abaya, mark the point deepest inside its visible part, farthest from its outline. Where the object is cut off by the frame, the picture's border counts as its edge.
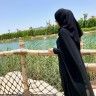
(73, 73)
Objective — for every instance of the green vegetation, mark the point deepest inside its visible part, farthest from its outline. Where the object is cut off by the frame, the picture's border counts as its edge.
(44, 68)
(50, 29)
(39, 68)
(86, 25)
(89, 29)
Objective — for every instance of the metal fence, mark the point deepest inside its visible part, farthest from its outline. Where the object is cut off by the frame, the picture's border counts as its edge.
(36, 72)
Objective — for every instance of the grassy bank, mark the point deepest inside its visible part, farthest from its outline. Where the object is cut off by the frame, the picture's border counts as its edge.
(89, 29)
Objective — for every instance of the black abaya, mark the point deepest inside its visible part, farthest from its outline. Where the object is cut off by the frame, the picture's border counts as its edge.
(73, 73)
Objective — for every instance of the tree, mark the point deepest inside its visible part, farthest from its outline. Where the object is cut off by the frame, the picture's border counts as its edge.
(8, 30)
(80, 21)
(85, 18)
(50, 28)
(31, 31)
(91, 22)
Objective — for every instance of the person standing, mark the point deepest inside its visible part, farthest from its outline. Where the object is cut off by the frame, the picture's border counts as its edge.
(74, 77)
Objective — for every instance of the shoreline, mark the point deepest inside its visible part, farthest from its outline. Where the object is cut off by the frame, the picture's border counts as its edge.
(28, 37)
(39, 36)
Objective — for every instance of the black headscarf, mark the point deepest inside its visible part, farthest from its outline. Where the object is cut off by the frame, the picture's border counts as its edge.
(66, 19)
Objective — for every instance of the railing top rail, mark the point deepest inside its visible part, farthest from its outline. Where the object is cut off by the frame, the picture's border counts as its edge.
(42, 52)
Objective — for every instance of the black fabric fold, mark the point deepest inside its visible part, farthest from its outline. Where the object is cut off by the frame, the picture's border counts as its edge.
(73, 73)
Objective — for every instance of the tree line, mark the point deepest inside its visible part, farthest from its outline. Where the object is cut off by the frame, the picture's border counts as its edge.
(87, 24)
(48, 30)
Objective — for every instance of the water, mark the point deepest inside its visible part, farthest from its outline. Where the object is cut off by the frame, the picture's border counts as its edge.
(9, 45)
(89, 40)
(47, 42)
(41, 43)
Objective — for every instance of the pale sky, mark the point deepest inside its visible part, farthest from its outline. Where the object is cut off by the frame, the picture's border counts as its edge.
(22, 14)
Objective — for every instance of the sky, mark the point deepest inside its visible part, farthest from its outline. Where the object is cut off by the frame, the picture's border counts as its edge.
(22, 14)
